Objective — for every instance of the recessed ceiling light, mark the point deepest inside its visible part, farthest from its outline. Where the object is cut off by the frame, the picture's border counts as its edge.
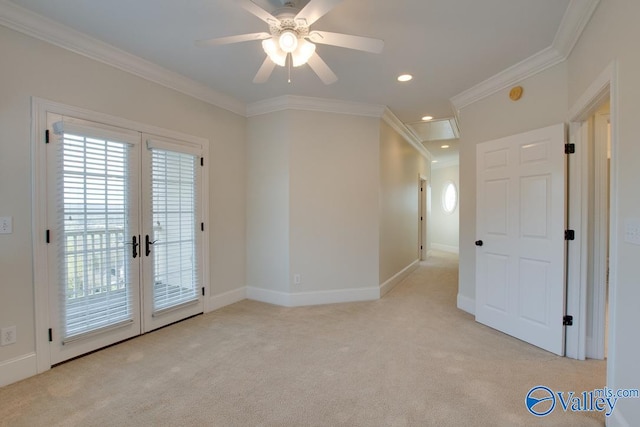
(405, 77)
(434, 161)
(427, 118)
(444, 146)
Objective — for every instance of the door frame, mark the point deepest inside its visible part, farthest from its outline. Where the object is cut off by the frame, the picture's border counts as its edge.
(605, 86)
(39, 109)
(599, 232)
(423, 218)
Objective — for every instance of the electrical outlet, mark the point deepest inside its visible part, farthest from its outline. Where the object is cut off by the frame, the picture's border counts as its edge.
(6, 226)
(8, 335)
(632, 231)
(296, 279)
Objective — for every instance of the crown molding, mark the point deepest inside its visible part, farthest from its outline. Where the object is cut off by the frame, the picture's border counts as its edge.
(336, 106)
(305, 103)
(573, 23)
(392, 120)
(536, 63)
(34, 25)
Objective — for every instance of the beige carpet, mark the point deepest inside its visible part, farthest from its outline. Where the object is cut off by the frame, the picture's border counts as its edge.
(409, 359)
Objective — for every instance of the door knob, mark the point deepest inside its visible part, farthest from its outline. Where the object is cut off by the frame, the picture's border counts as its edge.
(479, 243)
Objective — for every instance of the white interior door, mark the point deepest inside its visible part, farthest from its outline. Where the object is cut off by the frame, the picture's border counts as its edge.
(520, 223)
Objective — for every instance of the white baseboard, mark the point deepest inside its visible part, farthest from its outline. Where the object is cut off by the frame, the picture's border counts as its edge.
(312, 298)
(19, 368)
(466, 304)
(269, 296)
(334, 296)
(445, 248)
(221, 300)
(617, 419)
(398, 277)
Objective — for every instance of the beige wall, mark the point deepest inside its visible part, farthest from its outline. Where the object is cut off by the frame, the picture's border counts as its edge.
(334, 201)
(312, 202)
(544, 103)
(268, 177)
(612, 34)
(444, 225)
(400, 168)
(34, 68)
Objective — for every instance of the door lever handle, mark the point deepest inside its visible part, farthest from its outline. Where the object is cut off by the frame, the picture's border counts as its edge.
(147, 244)
(135, 245)
(479, 243)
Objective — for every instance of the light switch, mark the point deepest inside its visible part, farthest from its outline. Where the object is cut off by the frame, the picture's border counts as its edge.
(6, 225)
(632, 231)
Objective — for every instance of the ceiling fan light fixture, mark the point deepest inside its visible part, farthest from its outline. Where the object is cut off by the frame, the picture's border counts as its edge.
(288, 41)
(277, 55)
(303, 53)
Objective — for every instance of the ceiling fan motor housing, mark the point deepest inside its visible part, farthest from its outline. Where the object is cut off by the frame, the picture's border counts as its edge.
(286, 16)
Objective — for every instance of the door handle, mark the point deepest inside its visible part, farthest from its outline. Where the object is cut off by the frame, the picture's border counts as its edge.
(479, 243)
(135, 245)
(147, 244)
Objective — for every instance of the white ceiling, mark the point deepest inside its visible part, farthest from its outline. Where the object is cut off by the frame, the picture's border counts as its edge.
(448, 45)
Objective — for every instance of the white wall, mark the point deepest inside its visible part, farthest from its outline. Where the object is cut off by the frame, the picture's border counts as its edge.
(612, 34)
(400, 169)
(544, 103)
(444, 225)
(35, 68)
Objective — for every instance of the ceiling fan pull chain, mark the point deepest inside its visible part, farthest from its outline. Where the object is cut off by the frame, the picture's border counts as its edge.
(289, 61)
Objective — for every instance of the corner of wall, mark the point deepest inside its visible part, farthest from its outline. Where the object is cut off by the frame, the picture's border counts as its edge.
(17, 369)
(466, 304)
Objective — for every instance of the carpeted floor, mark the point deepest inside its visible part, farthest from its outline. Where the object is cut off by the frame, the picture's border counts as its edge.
(409, 359)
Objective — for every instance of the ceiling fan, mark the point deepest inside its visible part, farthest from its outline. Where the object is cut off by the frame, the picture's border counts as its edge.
(290, 41)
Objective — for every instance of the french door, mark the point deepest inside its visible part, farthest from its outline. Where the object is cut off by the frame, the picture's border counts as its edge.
(124, 234)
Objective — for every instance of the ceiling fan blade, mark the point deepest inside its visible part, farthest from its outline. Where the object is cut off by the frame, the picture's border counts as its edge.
(345, 40)
(265, 71)
(315, 10)
(322, 69)
(256, 10)
(232, 39)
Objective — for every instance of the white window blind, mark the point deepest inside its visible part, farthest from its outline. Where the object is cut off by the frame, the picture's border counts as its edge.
(174, 228)
(93, 205)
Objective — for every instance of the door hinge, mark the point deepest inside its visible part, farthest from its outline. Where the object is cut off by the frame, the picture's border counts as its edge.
(203, 291)
(567, 321)
(569, 148)
(201, 161)
(50, 335)
(202, 226)
(47, 236)
(420, 247)
(421, 219)
(569, 235)
(46, 136)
